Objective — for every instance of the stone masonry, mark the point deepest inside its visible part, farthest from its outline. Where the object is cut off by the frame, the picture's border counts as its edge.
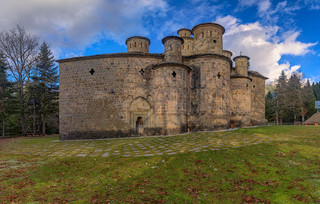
(192, 86)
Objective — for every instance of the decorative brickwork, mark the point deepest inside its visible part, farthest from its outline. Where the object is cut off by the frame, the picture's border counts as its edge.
(192, 86)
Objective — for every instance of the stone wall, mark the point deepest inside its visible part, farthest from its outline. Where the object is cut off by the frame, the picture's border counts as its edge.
(138, 44)
(210, 91)
(170, 83)
(172, 49)
(227, 53)
(241, 65)
(191, 86)
(187, 47)
(258, 100)
(107, 101)
(240, 103)
(208, 38)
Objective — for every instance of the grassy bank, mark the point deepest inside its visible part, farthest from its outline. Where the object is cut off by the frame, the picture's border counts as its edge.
(284, 171)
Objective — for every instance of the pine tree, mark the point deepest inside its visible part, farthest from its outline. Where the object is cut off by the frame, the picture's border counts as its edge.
(4, 85)
(281, 98)
(20, 50)
(295, 101)
(308, 99)
(270, 107)
(316, 90)
(44, 88)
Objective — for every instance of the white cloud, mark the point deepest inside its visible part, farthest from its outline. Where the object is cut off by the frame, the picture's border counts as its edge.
(263, 45)
(271, 13)
(264, 5)
(76, 24)
(292, 70)
(187, 16)
(313, 4)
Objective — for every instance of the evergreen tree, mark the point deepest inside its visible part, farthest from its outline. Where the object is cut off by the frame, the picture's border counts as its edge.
(270, 107)
(44, 88)
(308, 99)
(281, 98)
(20, 50)
(316, 90)
(294, 94)
(4, 84)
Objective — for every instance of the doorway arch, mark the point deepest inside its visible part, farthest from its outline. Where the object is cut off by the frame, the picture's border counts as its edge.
(140, 111)
(139, 126)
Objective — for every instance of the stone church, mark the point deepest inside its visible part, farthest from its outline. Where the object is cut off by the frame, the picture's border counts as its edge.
(192, 86)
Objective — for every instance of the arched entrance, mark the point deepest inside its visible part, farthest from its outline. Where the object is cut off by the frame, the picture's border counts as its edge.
(139, 126)
(140, 111)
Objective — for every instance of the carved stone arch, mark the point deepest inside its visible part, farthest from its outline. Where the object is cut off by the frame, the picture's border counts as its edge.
(150, 100)
(129, 99)
(140, 108)
(139, 104)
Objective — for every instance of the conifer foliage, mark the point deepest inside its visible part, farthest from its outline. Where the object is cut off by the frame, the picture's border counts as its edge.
(4, 84)
(43, 91)
(19, 49)
(291, 101)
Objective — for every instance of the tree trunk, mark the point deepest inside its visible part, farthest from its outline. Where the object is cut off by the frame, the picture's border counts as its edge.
(277, 113)
(23, 119)
(302, 114)
(34, 118)
(43, 126)
(3, 127)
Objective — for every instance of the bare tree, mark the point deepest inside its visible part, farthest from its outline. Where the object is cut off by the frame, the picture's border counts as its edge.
(20, 50)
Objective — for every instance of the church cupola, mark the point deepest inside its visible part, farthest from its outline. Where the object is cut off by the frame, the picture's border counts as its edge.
(172, 49)
(138, 44)
(241, 65)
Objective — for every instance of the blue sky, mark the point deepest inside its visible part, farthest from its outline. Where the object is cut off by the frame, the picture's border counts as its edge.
(276, 35)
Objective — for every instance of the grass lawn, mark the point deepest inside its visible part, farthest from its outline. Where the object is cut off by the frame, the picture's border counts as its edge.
(286, 170)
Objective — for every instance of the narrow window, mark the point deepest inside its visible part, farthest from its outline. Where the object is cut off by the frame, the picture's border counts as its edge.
(135, 44)
(141, 44)
(202, 34)
(174, 74)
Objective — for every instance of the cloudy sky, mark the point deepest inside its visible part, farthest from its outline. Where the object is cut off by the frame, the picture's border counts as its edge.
(276, 35)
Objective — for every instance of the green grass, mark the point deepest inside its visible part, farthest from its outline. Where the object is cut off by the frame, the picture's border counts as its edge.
(287, 170)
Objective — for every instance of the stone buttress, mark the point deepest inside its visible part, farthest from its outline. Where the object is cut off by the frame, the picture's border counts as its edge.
(210, 79)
